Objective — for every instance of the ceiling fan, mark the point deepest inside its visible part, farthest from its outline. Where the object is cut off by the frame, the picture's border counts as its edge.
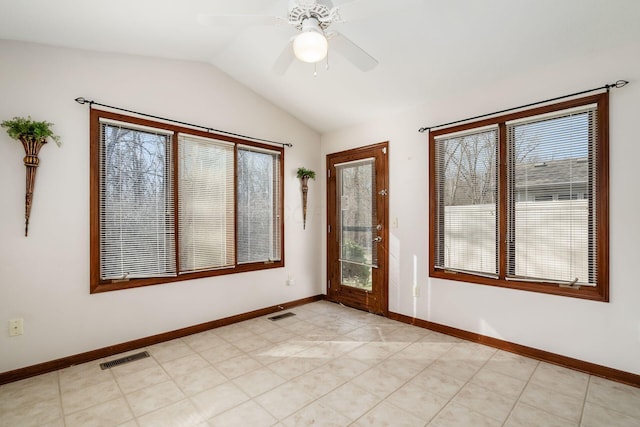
(311, 18)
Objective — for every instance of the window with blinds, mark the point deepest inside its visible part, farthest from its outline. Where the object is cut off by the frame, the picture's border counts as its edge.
(170, 203)
(259, 221)
(521, 201)
(552, 196)
(466, 194)
(137, 237)
(206, 203)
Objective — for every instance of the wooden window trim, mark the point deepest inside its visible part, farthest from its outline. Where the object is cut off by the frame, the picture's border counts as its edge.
(600, 292)
(96, 284)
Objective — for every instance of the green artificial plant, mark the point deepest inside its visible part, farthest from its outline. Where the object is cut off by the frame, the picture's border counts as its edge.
(19, 127)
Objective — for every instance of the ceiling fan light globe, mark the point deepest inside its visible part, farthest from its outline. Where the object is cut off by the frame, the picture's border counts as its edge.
(310, 46)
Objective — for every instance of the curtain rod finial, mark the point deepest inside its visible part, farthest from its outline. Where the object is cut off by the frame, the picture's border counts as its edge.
(621, 83)
(80, 100)
(423, 130)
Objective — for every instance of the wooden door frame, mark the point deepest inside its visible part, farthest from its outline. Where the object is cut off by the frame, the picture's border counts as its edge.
(382, 305)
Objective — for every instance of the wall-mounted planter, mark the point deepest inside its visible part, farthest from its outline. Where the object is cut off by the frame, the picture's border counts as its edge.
(304, 174)
(33, 135)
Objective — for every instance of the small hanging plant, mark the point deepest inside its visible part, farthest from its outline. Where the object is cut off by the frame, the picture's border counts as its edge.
(33, 135)
(20, 128)
(304, 174)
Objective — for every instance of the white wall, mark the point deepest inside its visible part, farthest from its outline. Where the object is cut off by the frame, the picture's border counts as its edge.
(44, 278)
(602, 333)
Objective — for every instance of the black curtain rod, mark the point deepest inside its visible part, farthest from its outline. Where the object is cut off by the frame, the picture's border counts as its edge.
(618, 84)
(81, 100)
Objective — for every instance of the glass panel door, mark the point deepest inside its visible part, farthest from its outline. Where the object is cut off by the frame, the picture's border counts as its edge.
(356, 213)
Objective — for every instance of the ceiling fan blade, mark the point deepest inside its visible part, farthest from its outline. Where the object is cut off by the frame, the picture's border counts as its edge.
(285, 59)
(351, 51)
(355, 10)
(222, 20)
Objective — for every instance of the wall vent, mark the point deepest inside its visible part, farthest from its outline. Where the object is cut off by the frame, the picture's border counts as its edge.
(123, 360)
(282, 316)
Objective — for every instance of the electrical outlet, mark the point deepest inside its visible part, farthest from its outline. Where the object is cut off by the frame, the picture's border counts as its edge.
(416, 291)
(290, 282)
(16, 327)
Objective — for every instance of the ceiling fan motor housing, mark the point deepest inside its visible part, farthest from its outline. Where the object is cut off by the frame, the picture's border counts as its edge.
(300, 10)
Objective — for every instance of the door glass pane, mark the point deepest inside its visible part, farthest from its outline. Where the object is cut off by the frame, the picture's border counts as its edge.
(357, 222)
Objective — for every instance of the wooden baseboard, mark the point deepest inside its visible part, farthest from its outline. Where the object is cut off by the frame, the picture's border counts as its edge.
(54, 365)
(545, 356)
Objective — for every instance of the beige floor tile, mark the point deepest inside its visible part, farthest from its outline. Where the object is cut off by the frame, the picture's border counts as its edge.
(14, 396)
(499, 383)
(597, 416)
(90, 396)
(132, 367)
(292, 367)
(154, 397)
(378, 382)
(317, 415)
(566, 381)
(259, 381)
(512, 365)
(221, 353)
(417, 401)
(203, 341)
(141, 379)
(279, 335)
(376, 350)
(438, 338)
(351, 400)
(183, 365)
(35, 414)
(81, 376)
(387, 415)
(234, 333)
(347, 368)
(484, 401)
(219, 399)
(327, 366)
(110, 413)
(319, 381)
(403, 369)
(169, 350)
(284, 400)
(200, 380)
(454, 366)
(528, 416)
(438, 382)
(422, 351)
(459, 416)
(619, 397)
(183, 414)
(237, 366)
(246, 414)
(549, 400)
(252, 343)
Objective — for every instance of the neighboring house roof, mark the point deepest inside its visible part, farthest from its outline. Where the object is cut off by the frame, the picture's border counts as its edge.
(553, 173)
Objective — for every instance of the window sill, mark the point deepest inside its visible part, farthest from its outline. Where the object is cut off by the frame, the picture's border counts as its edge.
(593, 293)
(98, 286)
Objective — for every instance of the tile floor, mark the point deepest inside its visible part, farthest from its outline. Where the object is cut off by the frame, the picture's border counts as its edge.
(326, 366)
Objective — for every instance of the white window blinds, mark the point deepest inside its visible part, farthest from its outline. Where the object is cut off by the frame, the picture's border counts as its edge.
(206, 203)
(551, 191)
(259, 216)
(136, 202)
(466, 202)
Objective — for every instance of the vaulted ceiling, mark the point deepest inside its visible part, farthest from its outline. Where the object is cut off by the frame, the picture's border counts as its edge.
(427, 49)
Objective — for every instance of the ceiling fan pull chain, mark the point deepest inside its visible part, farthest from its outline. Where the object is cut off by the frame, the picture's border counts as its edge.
(315, 69)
